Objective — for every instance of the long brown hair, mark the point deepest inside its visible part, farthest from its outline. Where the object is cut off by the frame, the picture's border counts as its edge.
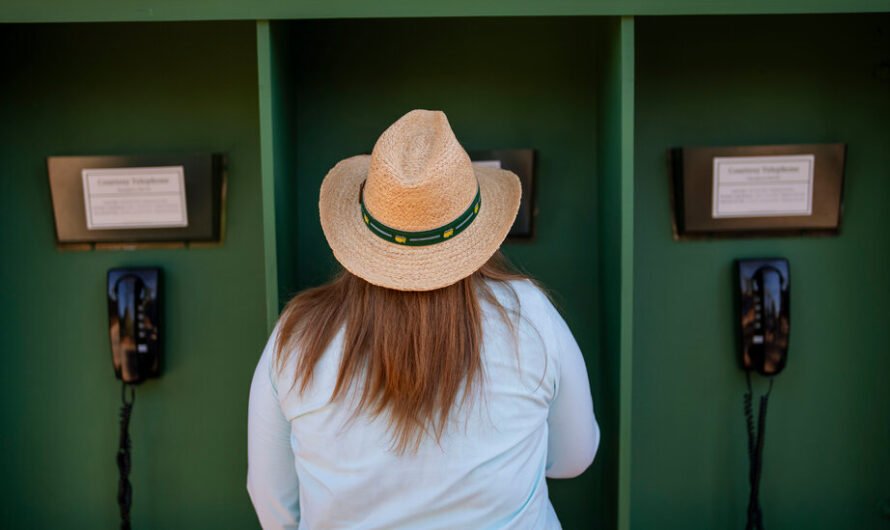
(413, 352)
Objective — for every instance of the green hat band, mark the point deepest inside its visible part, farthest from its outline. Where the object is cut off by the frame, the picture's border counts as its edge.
(425, 237)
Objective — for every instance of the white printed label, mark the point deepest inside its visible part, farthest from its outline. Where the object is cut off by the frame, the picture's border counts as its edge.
(763, 186)
(134, 197)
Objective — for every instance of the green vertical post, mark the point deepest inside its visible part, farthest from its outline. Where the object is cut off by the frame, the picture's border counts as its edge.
(267, 169)
(626, 69)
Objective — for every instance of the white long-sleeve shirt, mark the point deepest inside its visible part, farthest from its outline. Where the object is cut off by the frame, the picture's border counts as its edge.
(311, 468)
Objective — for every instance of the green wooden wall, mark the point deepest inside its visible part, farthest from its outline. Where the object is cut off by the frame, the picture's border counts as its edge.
(176, 87)
(743, 81)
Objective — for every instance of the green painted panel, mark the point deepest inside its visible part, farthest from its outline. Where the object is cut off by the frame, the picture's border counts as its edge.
(615, 209)
(132, 88)
(266, 84)
(348, 80)
(763, 80)
(157, 10)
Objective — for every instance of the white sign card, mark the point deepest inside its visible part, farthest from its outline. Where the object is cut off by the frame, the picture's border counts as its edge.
(134, 197)
(763, 186)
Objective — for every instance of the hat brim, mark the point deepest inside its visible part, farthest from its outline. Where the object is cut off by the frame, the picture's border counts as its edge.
(410, 268)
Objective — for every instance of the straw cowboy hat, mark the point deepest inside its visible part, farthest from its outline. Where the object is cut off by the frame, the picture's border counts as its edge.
(416, 214)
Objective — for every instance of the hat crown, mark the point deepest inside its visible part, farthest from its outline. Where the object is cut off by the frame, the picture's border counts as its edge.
(419, 176)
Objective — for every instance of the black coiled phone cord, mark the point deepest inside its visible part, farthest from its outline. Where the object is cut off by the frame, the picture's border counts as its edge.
(124, 489)
(755, 452)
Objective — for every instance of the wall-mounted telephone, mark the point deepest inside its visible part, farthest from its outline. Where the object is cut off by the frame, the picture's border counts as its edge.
(764, 305)
(764, 313)
(134, 326)
(134, 323)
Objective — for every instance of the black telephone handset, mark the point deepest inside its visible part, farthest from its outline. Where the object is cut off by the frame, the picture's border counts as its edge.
(134, 326)
(764, 296)
(764, 313)
(134, 323)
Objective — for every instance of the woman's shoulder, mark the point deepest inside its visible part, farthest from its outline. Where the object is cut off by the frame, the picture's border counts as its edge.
(526, 289)
(525, 295)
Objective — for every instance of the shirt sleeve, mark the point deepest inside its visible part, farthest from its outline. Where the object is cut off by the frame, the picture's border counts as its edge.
(574, 434)
(271, 476)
